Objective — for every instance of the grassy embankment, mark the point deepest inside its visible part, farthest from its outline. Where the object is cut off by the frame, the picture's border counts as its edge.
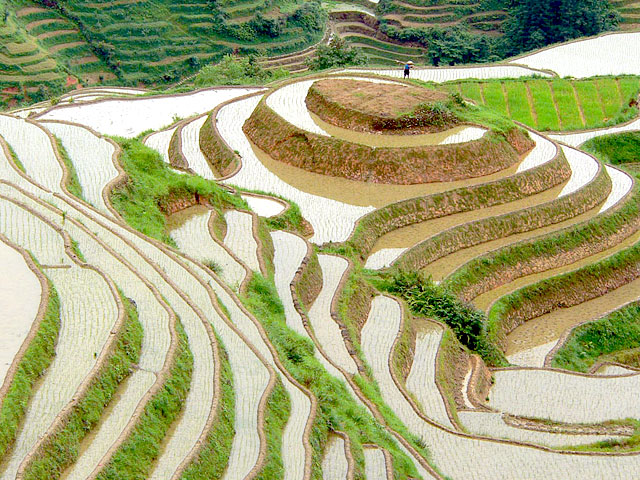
(33, 366)
(497, 149)
(608, 338)
(563, 290)
(556, 104)
(519, 257)
(615, 336)
(134, 458)
(61, 449)
(336, 409)
(152, 186)
(621, 149)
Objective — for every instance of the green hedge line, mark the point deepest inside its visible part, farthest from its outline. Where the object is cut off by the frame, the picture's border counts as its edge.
(520, 221)
(521, 259)
(566, 290)
(408, 212)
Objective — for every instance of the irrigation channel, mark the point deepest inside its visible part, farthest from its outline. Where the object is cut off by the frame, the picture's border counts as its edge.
(261, 351)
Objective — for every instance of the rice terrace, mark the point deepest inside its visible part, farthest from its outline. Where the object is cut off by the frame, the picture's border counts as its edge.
(330, 273)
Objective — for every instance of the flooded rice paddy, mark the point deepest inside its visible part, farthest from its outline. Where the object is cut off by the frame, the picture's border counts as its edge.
(363, 194)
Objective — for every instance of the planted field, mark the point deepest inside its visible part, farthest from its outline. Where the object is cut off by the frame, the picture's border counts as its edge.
(557, 104)
(172, 323)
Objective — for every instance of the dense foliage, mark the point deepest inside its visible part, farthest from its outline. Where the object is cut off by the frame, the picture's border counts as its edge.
(310, 16)
(532, 24)
(235, 70)
(425, 298)
(536, 23)
(336, 54)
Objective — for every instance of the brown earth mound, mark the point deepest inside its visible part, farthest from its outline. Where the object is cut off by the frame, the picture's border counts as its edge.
(378, 107)
(401, 166)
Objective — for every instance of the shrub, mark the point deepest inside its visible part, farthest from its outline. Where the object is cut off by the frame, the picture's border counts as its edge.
(234, 70)
(336, 54)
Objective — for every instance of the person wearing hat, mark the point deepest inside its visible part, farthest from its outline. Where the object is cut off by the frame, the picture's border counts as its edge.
(407, 67)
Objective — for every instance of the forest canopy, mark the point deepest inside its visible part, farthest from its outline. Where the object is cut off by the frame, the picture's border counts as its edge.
(534, 24)
(531, 24)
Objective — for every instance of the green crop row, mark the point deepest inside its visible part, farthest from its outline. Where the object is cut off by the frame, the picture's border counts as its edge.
(557, 104)
(61, 449)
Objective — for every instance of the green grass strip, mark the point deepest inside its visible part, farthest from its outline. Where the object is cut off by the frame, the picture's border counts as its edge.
(73, 183)
(590, 103)
(473, 91)
(337, 410)
(61, 450)
(567, 105)
(494, 97)
(616, 332)
(276, 417)
(610, 96)
(153, 185)
(617, 149)
(543, 103)
(33, 365)
(519, 103)
(16, 160)
(134, 459)
(213, 457)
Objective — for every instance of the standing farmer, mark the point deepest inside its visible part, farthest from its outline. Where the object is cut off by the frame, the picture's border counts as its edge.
(407, 67)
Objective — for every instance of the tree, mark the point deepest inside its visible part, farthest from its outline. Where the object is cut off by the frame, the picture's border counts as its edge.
(537, 23)
(336, 54)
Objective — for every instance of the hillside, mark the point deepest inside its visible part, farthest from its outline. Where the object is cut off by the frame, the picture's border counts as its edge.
(342, 276)
(141, 41)
(49, 46)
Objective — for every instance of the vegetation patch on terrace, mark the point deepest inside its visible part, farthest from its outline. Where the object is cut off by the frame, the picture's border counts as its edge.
(152, 187)
(557, 103)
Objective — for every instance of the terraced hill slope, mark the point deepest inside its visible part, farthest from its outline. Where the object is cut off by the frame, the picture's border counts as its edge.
(164, 319)
(147, 41)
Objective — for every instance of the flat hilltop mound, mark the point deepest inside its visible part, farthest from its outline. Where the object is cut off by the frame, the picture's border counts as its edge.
(380, 107)
(487, 143)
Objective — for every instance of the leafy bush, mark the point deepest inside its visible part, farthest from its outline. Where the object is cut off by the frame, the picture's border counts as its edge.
(428, 299)
(233, 70)
(336, 54)
(310, 16)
